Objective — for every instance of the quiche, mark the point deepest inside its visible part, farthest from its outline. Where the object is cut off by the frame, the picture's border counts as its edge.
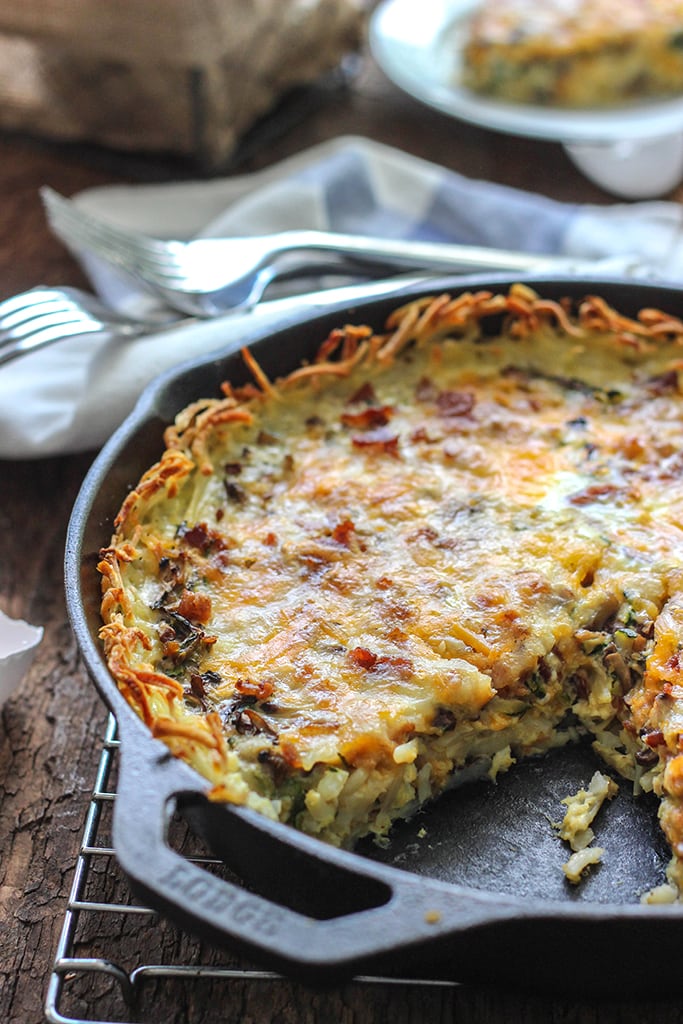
(435, 549)
(575, 53)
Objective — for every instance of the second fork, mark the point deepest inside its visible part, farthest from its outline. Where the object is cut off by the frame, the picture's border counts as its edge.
(44, 316)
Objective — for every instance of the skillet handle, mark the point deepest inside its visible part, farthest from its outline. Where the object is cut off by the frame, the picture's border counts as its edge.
(406, 912)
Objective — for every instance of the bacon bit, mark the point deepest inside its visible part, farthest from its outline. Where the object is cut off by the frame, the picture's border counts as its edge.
(654, 738)
(455, 403)
(380, 440)
(264, 437)
(197, 685)
(426, 390)
(646, 758)
(342, 532)
(270, 540)
(596, 492)
(362, 657)
(195, 607)
(364, 395)
(261, 690)
(234, 493)
(198, 536)
(664, 383)
(373, 416)
(384, 583)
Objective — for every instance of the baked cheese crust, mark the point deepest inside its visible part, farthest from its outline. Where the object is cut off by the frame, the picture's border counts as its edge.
(575, 53)
(432, 548)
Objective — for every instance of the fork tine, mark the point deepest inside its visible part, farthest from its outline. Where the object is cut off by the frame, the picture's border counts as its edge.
(29, 312)
(202, 277)
(62, 209)
(149, 257)
(27, 302)
(70, 302)
(44, 331)
(23, 324)
(41, 316)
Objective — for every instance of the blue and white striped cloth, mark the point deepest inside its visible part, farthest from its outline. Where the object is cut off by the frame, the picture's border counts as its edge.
(70, 397)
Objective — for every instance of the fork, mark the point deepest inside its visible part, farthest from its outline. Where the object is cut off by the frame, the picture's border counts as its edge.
(42, 316)
(207, 276)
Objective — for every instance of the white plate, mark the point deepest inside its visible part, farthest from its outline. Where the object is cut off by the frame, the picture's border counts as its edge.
(418, 44)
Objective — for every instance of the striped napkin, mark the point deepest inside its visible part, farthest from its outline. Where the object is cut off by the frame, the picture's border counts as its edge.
(70, 397)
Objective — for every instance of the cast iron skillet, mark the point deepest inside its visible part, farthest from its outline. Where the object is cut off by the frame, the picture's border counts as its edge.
(472, 888)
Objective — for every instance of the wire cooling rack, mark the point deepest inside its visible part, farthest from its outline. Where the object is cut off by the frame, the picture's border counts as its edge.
(104, 970)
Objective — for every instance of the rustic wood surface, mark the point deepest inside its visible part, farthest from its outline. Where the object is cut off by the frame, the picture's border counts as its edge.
(50, 732)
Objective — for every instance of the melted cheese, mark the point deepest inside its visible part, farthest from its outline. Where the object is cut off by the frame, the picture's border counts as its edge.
(335, 593)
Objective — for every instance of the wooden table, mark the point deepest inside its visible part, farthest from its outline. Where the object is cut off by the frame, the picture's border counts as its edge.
(51, 731)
